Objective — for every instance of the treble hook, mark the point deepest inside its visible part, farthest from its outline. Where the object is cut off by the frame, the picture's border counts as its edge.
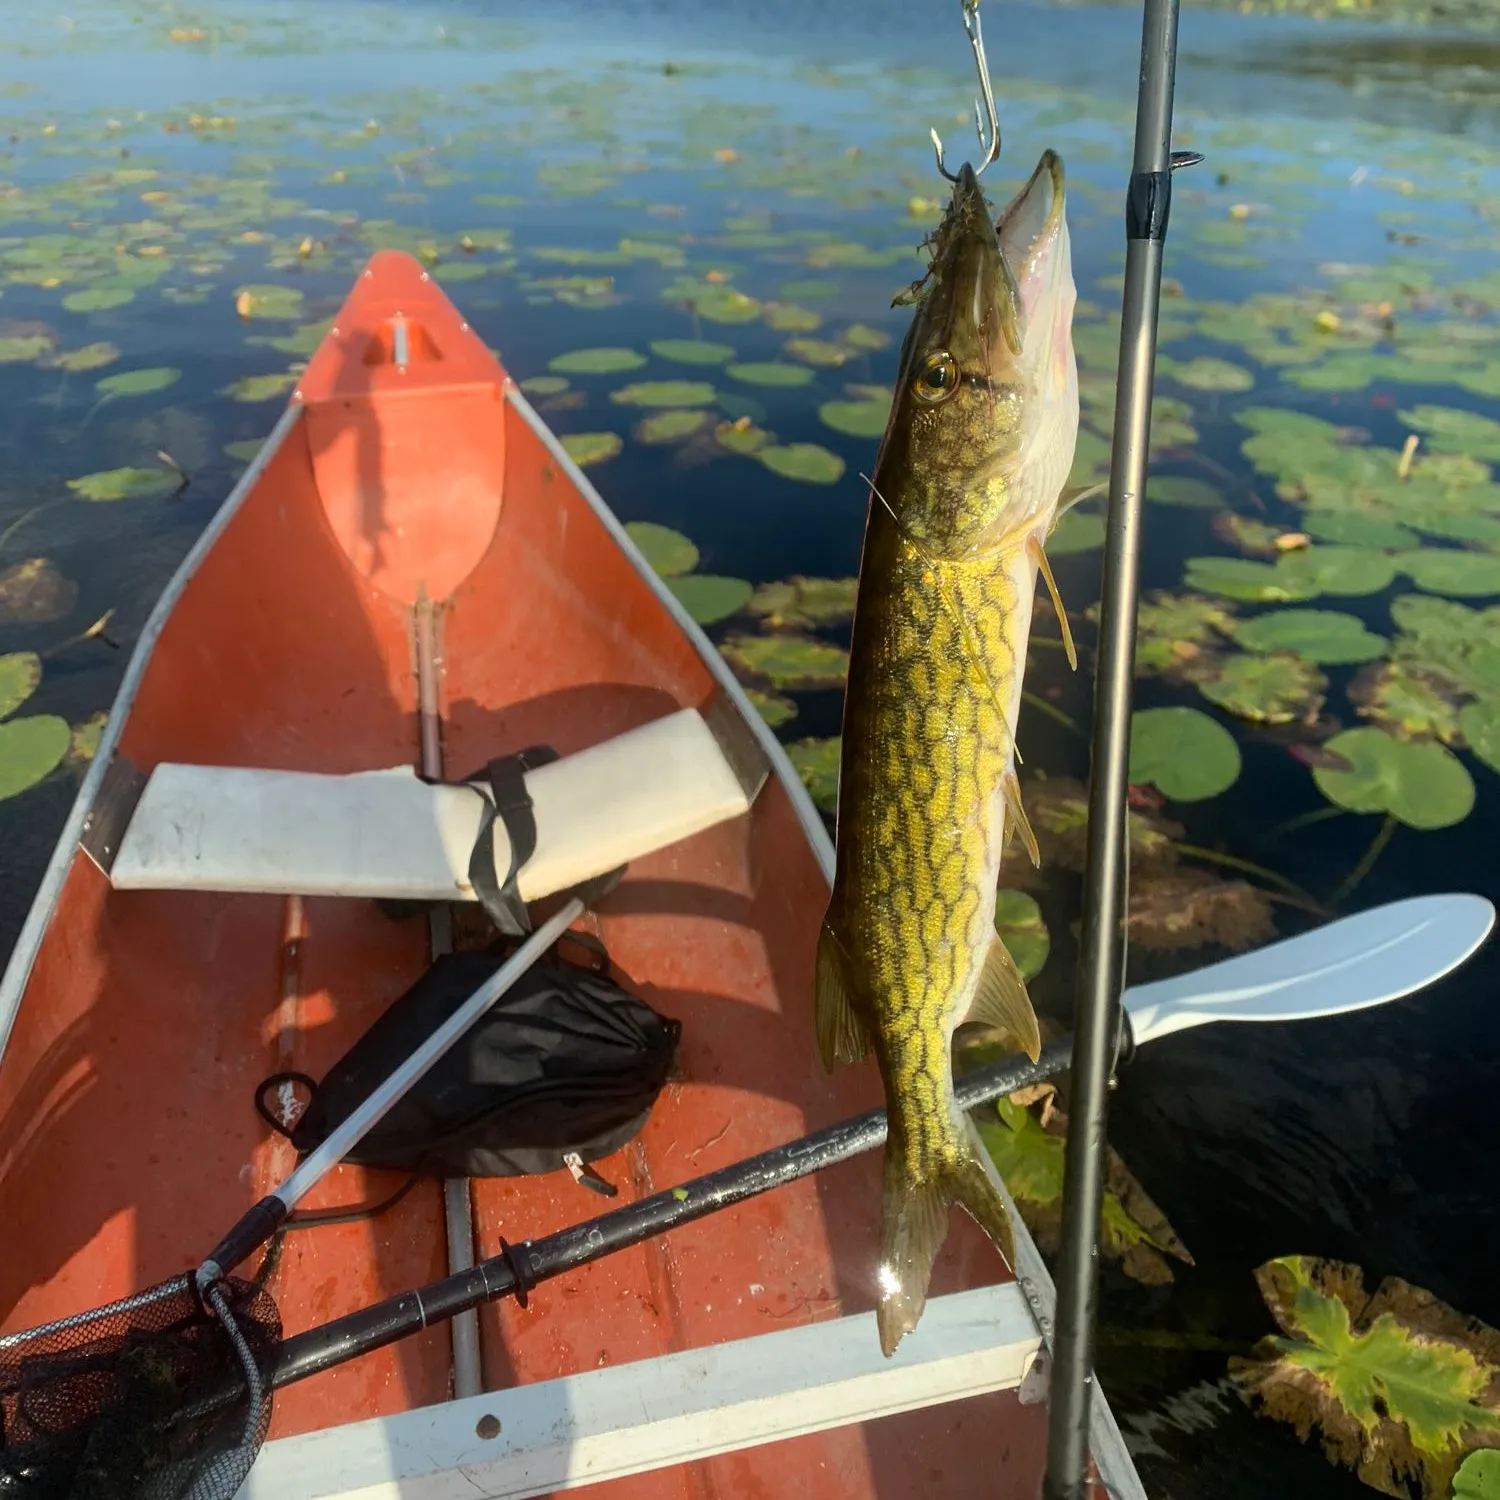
(988, 152)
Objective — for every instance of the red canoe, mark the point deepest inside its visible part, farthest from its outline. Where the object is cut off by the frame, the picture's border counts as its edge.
(413, 534)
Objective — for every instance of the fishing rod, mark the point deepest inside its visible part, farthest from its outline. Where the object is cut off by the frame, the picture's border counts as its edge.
(1098, 1011)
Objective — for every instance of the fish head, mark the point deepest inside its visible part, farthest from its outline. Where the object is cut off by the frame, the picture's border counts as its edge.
(985, 415)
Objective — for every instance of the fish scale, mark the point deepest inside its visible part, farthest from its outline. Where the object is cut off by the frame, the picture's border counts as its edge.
(967, 486)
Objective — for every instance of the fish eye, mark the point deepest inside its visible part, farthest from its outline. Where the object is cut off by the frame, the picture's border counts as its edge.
(937, 379)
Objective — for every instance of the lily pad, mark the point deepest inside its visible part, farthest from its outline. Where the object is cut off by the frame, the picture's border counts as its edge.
(245, 450)
(586, 448)
(861, 419)
(770, 372)
(664, 393)
(1478, 1477)
(252, 389)
(98, 298)
(1205, 374)
(692, 351)
(1421, 785)
(807, 462)
(1357, 530)
(822, 352)
(1395, 1383)
(1480, 725)
(1318, 635)
(89, 357)
(30, 750)
(138, 382)
(126, 484)
(604, 361)
(1076, 531)
(545, 385)
(671, 426)
(1184, 753)
(1279, 689)
(1242, 578)
(802, 603)
(20, 676)
(1018, 920)
(24, 347)
(1446, 570)
(1340, 570)
(742, 437)
(1456, 430)
(787, 317)
(1410, 704)
(1184, 907)
(34, 592)
(1177, 634)
(669, 553)
(709, 598)
(787, 661)
(272, 302)
(817, 763)
(775, 708)
(1179, 489)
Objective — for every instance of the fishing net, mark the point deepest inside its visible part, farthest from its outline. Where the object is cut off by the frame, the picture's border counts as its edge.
(156, 1397)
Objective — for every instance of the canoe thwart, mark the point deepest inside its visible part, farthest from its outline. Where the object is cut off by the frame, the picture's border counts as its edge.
(388, 834)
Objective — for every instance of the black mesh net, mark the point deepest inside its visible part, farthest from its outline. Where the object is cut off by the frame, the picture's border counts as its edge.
(156, 1397)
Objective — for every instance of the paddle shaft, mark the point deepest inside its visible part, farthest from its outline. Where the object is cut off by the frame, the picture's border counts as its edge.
(520, 1267)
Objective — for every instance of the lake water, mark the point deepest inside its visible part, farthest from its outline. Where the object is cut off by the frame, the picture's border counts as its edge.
(758, 176)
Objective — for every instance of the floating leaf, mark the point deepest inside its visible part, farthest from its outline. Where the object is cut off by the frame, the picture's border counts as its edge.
(1458, 431)
(1339, 570)
(692, 351)
(1480, 725)
(1175, 634)
(34, 592)
(89, 357)
(604, 361)
(545, 385)
(787, 317)
(20, 676)
(861, 419)
(251, 389)
(803, 603)
(822, 352)
(770, 372)
(1184, 753)
(245, 450)
(138, 382)
(98, 298)
(1205, 374)
(1357, 530)
(1445, 570)
(1319, 635)
(709, 598)
(1181, 908)
(30, 750)
(774, 708)
(1411, 704)
(24, 347)
(789, 662)
(664, 393)
(270, 302)
(1241, 578)
(668, 552)
(1076, 531)
(1478, 1477)
(1422, 785)
(804, 461)
(817, 763)
(742, 437)
(586, 448)
(671, 426)
(1398, 1384)
(126, 484)
(1276, 689)
(1176, 489)
(1018, 920)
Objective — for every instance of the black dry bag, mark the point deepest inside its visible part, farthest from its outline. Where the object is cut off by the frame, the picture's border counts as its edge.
(563, 1069)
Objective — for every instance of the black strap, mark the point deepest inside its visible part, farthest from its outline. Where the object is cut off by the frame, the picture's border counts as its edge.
(272, 1082)
(510, 803)
(518, 1258)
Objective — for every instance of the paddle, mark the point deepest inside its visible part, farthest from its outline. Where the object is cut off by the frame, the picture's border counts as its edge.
(1350, 964)
(93, 1405)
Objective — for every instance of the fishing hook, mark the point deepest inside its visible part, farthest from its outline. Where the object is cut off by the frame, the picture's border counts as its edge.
(988, 151)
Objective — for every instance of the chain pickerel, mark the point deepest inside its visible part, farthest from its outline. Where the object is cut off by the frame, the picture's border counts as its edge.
(968, 483)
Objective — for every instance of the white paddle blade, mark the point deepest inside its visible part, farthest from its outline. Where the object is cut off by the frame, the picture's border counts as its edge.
(1355, 962)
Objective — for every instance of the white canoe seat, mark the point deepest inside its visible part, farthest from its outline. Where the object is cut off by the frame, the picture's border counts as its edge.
(389, 834)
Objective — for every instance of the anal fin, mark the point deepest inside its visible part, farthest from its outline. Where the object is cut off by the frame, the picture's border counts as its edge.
(1001, 1003)
(842, 1036)
(1039, 556)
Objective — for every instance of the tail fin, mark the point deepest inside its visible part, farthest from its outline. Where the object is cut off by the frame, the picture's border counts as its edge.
(916, 1224)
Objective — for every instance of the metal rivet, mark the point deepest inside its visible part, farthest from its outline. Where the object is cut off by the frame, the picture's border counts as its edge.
(487, 1427)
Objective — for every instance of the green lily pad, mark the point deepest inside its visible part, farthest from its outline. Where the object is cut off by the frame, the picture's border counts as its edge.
(1279, 689)
(861, 419)
(775, 708)
(668, 552)
(89, 357)
(1339, 570)
(1318, 635)
(546, 385)
(271, 302)
(817, 763)
(34, 591)
(1242, 578)
(138, 382)
(1177, 634)
(126, 484)
(822, 352)
(787, 317)
(245, 450)
(1184, 753)
(1177, 489)
(1446, 570)
(714, 302)
(1408, 703)
(20, 676)
(30, 750)
(1421, 785)
(1076, 531)
(663, 393)
(803, 603)
(98, 298)
(1459, 527)
(1018, 920)
(671, 426)
(807, 462)
(1478, 1476)
(709, 598)
(1255, 537)
(605, 361)
(692, 351)
(586, 448)
(1205, 374)
(1396, 1381)
(787, 661)
(1357, 530)
(24, 348)
(771, 372)
(251, 389)
(1480, 725)
(1457, 431)
(742, 437)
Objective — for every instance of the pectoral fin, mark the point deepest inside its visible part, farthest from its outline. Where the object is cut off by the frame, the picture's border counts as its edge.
(841, 1034)
(1039, 556)
(1001, 1003)
(1075, 495)
(1010, 789)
